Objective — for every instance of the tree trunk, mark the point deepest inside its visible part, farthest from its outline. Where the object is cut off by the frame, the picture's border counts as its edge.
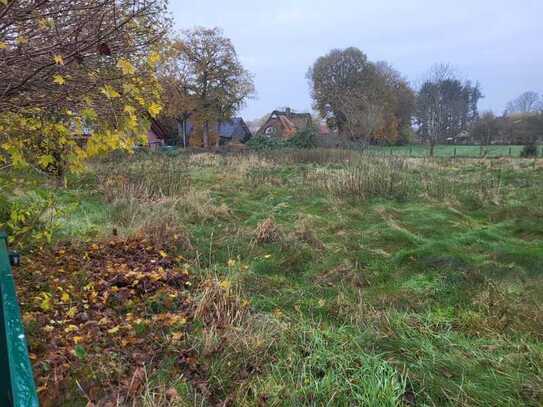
(206, 134)
(218, 143)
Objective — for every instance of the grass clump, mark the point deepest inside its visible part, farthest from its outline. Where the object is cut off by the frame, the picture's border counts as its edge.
(332, 367)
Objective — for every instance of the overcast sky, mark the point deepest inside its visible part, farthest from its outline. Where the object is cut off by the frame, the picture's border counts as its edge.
(498, 43)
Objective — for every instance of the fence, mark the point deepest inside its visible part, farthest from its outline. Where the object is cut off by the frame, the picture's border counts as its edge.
(17, 387)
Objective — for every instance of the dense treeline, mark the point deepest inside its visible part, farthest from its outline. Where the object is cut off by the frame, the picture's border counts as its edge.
(371, 103)
(518, 128)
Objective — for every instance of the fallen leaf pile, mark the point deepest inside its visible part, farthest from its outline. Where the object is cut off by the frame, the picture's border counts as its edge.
(97, 313)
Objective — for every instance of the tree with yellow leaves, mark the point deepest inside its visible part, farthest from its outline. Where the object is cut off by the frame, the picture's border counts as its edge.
(77, 78)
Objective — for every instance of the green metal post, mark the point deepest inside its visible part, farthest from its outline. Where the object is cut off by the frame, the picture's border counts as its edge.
(17, 387)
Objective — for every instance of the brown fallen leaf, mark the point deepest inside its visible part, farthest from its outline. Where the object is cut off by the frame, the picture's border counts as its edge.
(171, 394)
(138, 378)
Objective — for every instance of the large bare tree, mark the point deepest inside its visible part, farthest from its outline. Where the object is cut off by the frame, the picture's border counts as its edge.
(528, 102)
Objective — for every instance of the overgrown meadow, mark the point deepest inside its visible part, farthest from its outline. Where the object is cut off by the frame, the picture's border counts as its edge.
(294, 277)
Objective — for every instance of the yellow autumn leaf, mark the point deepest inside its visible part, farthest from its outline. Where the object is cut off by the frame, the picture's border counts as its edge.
(78, 339)
(59, 79)
(21, 40)
(71, 328)
(153, 58)
(154, 109)
(3, 45)
(163, 254)
(113, 330)
(231, 263)
(129, 109)
(59, 60)
(110, 92)
(45, 160)
(65, 297)
(45, 303)
(72, 312)
(225, 284)
(126, 67)
(322, 303)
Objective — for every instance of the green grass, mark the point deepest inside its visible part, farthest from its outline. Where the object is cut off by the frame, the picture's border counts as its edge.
(464, 151)
(374, 298)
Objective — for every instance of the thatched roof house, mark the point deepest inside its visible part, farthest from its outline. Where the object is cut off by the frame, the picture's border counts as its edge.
(285, 124)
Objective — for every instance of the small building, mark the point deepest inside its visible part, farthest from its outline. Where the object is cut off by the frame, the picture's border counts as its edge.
(156, 135)
(285, 124)
(188, 133)
(234, 130)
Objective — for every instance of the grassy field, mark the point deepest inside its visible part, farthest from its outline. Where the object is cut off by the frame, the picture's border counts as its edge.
(320, 278)
(446, 151)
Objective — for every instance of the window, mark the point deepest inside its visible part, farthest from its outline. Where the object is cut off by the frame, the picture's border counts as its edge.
(270, 131)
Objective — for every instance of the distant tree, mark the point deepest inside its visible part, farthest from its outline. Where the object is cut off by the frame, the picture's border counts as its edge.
(528, 102)
(205, 78)
(486, 129)
(445, 106)
(369, 101)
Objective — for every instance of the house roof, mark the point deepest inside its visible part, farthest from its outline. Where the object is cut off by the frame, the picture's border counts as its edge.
(235, 127)
(289, 120)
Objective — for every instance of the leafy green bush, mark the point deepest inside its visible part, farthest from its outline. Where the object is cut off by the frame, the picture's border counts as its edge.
(302, 139)
(263, 143)
(29, 219)
(529, 150)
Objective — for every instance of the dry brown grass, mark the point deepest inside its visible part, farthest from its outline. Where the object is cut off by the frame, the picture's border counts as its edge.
(220, 304)
(235, 344)
(268, 232)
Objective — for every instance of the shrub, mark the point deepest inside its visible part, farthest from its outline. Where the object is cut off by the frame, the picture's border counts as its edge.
(302, 139)
(261, 143)
(529, 150)
(29, 219)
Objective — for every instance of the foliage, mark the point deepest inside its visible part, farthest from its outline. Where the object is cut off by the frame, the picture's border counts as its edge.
(302, 139)
(517, 128)
(204, 80)
(529, 150)
(445, 105)
(67, 98)
(368, 101)
(29, 219)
